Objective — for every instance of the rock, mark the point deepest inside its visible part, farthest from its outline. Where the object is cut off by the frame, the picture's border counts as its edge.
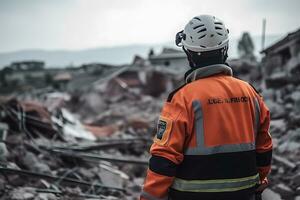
(296, 180)
(293, 120)
(269, 194)
(45, 196)
(2, 185)
(284, 161)
(288, 146)
(3, 152)
(33, 163)
(3, 134)
(22, 194)
(86, 173)
(298, 190)
(109, 177)
(277, 127)
(284, 190)
(289, 142)
(295, 96)
(277, 111)
(297, 106)
(297, 198)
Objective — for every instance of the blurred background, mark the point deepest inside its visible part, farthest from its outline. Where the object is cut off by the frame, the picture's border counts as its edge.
(82, 83)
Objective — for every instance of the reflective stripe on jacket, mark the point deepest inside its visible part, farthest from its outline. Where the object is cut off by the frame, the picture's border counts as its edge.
(212, 140)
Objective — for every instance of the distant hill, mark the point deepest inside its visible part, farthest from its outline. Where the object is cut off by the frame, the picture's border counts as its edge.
(61, 58)
(112, 55)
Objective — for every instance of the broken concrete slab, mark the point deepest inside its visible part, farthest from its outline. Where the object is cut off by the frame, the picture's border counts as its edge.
(284, 190)
(269, 194)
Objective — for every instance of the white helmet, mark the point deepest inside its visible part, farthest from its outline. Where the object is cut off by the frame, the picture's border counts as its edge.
(203, 33)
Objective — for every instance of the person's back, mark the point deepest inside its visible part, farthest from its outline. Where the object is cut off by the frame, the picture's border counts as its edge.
(212, 140)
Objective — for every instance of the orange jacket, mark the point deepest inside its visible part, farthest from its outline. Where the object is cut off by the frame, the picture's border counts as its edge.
(212, 139)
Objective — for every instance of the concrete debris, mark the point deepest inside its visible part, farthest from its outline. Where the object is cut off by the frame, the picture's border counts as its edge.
(282, 94)
(277, 111)
(3, 149)
(87, 144)
(270, 195)
(22, 194)
(27, 145)
(290, 141)
(285, 191)
(33, 163)
(278, 127)
(296, 180)
(72, 126)
(102, 131)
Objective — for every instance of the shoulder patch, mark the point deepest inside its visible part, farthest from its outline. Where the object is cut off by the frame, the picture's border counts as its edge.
(164, 127)
(174, 92)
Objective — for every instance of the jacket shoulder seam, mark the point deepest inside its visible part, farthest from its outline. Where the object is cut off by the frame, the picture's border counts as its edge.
(171, 95)
(246, 82)
(257, 92)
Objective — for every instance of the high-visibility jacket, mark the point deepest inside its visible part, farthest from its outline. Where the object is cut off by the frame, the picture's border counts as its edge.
(212, 140)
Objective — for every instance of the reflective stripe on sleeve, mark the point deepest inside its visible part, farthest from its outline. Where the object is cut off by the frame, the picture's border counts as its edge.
(201, 149)
(148, 196)
(220, 185)
(257, 117)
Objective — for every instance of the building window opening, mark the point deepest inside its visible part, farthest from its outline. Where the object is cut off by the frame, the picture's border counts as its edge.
(167, 63)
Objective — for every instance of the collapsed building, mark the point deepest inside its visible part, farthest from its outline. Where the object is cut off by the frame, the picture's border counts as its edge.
(170, 58)
(86, 139)
(282, 61)
(20, 71)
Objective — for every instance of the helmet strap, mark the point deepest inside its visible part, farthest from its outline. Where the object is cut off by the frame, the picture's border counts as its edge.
(225, 53)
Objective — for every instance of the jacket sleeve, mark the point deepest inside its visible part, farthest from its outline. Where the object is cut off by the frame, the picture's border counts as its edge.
(263, 141)
(166, 151)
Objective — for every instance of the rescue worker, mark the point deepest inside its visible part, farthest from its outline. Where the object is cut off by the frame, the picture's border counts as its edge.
(212, 140)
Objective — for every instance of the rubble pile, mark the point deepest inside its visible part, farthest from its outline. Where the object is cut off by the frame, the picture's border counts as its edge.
(284, 105)
(83, 144)
(283, 100)
(54, 156)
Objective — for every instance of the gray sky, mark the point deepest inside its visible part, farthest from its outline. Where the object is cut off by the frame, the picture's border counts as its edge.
(79, 24)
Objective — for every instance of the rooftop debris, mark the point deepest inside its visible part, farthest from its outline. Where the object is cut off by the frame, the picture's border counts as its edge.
(91, 144)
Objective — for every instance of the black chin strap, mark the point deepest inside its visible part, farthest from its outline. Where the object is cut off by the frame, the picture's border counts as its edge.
(225, 53)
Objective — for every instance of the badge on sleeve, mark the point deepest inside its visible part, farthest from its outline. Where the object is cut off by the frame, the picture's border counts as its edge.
(164, 127)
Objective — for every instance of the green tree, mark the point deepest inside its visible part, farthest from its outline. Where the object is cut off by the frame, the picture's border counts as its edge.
(246, 47)
(3, 73)
(48, 79)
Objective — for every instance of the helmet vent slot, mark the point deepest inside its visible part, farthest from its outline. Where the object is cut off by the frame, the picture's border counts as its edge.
(197, 18)
(220, 43)
(218, 28)
(202, 46)
(219, 33)
(202, 36)
(202, 30)
(198, 26)
(218, 23)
